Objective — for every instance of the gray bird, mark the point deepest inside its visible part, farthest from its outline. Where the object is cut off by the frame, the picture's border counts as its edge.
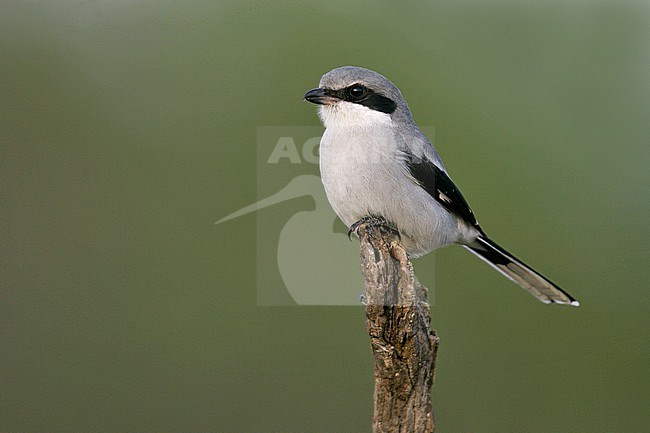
(377, 165)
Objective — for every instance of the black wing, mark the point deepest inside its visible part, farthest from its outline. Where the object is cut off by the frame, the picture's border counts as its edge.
(439, 186)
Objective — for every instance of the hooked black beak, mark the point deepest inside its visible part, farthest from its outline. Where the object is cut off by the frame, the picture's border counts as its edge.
(321, 97)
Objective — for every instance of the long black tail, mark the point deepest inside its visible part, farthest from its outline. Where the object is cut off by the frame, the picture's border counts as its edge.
(517, 271)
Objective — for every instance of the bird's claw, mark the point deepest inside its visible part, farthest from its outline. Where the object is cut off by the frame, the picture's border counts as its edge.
(373, 221)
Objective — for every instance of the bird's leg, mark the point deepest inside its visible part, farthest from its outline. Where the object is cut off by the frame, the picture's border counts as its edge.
(376, 222)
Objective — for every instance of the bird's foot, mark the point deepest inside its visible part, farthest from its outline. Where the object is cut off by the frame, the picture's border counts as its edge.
(380, 223)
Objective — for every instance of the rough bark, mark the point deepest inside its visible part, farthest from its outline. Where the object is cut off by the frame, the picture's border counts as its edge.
(403, 345)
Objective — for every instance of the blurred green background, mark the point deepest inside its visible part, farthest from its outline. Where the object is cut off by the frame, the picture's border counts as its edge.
(128, 128)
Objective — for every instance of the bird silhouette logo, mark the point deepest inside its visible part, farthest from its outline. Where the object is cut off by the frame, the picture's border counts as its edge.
(318, 265)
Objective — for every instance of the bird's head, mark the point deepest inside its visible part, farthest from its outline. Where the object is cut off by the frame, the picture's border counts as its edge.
(352, 95)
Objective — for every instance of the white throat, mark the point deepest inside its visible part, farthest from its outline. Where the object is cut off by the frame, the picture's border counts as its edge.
(345, 113)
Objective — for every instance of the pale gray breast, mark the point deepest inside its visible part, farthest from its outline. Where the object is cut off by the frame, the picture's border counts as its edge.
(358, 169)
(363, 175)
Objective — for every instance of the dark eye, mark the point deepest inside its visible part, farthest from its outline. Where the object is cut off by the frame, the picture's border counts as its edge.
(356, 91)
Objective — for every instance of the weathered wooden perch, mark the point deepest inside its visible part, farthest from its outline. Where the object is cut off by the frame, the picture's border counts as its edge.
(403, 346)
